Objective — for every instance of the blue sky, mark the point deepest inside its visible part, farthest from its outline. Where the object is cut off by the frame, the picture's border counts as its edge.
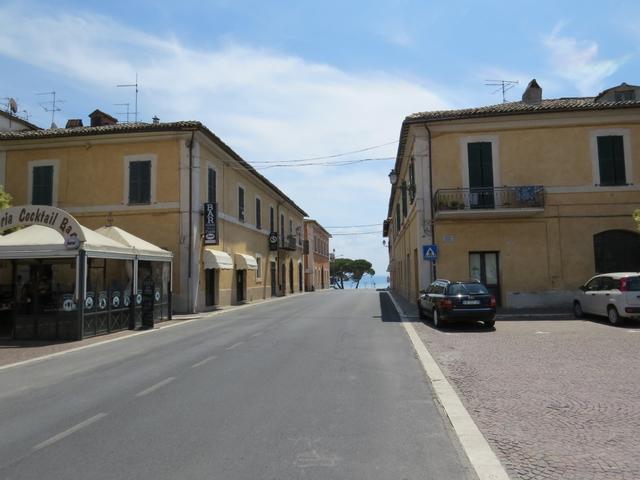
(285, 80)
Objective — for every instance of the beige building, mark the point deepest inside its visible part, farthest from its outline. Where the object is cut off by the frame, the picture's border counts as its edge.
(530, 197)
(316, 258)
(154, 180)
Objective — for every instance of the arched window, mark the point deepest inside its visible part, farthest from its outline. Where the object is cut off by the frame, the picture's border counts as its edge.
(617, 251)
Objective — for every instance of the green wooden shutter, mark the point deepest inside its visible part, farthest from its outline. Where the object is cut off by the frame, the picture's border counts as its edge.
(42, 186)
(480, 165)
(611, 160)
(140, 182)
(211, 186)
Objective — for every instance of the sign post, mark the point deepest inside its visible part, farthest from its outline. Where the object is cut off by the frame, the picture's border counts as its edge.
(211, 223)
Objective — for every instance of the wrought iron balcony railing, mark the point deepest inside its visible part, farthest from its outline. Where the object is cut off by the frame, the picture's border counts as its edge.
(515, 197)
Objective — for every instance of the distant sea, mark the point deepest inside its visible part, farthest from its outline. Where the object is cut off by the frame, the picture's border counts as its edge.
(377, 281)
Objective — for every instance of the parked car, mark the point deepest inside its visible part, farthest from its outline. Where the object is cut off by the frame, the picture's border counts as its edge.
(613, 295)
(446, 301)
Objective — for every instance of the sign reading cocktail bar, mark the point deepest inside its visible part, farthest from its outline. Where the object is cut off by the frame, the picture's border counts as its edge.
(51, 217)
(211, 223)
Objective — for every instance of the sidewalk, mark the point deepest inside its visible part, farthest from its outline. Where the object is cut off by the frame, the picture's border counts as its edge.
(411, 309)
(16, 351)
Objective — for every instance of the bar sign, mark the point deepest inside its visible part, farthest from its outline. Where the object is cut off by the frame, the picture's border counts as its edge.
(211, 223)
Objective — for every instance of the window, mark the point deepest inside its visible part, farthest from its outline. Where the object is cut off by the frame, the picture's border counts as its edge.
(259, 270)
(241, 204)
(258, 214)
(404, 199)
(624, 96)
(611, 160)
(412, 181)
(211, 185)
(282, 229)
(290, 227)
(140, 182)
(42, 186)
(397, 217)
(271, 219)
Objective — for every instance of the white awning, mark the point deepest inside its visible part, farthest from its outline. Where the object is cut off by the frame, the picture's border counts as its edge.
(246, 262)
(217, 259)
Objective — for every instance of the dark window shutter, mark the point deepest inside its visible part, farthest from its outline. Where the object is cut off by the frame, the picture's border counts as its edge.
(480, 165)
(611, 160)
(42, 186)
(241, 204)
(271, 219)
(211, 186)
(140, 182)
(258, 214)
(398, 217)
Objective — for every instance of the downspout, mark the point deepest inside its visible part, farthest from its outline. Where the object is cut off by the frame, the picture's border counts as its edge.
(190, 253)
(432, 220)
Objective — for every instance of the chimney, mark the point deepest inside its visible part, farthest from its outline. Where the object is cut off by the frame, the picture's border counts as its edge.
(156, 120)
(533, 93)
(99, 119)
(73, 123)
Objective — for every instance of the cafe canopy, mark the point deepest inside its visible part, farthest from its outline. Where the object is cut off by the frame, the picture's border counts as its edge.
(62, 280)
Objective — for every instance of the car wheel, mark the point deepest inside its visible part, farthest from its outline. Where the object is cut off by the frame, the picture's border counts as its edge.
(489, 323)
(577, 310)
(436, 319)
(614, 316)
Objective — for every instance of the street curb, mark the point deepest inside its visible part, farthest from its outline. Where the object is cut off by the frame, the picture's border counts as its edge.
(156, 329)
(484, 461)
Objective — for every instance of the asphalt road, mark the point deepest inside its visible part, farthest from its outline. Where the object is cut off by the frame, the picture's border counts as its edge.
(320, 386)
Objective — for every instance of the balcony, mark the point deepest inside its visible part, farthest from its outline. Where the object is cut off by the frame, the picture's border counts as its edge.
(515, 201)
(290, 242)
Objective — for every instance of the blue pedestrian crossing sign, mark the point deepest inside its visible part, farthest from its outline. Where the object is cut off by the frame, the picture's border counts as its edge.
(429, 252)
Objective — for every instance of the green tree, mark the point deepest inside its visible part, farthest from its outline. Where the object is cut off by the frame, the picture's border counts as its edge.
(346, 269)
(5, 198)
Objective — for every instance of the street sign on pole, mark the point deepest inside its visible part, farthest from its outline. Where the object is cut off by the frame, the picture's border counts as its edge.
(430, 252)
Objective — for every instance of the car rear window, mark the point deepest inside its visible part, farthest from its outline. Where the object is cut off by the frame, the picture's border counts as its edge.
(467, 289)
(633, 284)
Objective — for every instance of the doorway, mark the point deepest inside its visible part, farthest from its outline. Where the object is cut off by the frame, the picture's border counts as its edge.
(240, 285)
(272, 272)
(300, 282)
(485, 267)
(291, 276)
(480, 175)
(210, 287)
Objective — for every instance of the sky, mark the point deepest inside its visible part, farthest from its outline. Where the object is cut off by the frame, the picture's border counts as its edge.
(284, 80)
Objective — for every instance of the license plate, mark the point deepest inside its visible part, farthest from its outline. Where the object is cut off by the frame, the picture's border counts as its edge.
(471, 302)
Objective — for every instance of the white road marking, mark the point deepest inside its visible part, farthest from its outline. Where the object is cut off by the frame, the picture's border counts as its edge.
(66, 433)
(541, 332)
(633, 331)
(202, 362)
(482, 458)
(257, 334)
(153, 388)
(234, 345)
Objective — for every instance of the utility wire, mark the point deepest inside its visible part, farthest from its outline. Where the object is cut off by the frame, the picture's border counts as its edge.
(328, 156)
(357, 233)
(357, 226)
(340, 163)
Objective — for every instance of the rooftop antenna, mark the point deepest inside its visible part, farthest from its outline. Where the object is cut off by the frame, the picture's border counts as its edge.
(123, 113)
(136, 86)
(504, 85)
(51, 106)
(26, 115)
(12, 105)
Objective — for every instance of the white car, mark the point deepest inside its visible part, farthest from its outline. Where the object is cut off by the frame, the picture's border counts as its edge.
(613, 295)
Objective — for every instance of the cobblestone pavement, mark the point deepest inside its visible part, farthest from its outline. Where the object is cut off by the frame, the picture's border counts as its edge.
(555, 399)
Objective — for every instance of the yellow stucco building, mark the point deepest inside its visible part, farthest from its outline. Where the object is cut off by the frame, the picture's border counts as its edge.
(154, 180)
(530, 197)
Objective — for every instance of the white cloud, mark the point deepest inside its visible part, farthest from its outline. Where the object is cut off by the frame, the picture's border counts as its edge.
(265, 104)
(577, 61)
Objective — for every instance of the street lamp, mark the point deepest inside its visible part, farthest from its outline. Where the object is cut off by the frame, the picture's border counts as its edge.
(393, 177)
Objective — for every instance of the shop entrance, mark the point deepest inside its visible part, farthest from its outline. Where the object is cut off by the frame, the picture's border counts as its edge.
(240, 285)
(485, 267)
(211, 287)
(272, 272)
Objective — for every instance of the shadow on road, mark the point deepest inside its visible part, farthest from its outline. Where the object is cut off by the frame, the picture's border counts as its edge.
(387, 309)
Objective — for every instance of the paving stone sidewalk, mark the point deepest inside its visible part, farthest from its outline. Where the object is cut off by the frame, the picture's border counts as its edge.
(556, 399)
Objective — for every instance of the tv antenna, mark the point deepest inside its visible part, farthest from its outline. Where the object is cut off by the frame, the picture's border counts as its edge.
(51, 106)
(12, 105)
(136, 87)
(123, 113)
(504, 85)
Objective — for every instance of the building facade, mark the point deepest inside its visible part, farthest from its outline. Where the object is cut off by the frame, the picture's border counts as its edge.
(154, 180)
(316, 258)
(530, 197)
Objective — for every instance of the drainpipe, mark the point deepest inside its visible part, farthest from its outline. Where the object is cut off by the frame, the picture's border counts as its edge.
(190, 253)
(433, 223)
